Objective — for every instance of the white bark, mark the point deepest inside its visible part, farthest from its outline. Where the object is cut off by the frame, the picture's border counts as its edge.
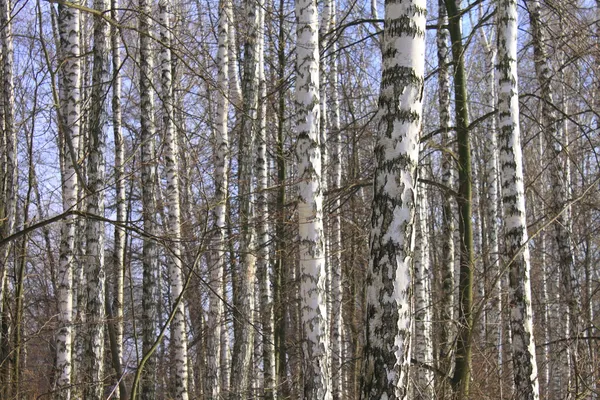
(221, 161)
(120, 237)
(446, 273)
(94, 271)
(513, 196)
(490, 148)
(235, 86)
(263, 261)
(388, 327)
(424, 388)
(316, 373)
(68, 22)
(178, 328)
(558, 168)
(8, 185)
(244, 289)
(336, 228)
(148, 165)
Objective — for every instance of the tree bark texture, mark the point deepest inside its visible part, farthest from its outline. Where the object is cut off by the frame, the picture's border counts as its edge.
(388, 326)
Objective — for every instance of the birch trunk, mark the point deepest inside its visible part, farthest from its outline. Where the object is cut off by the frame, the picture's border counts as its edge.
(235, 86)
(315, 368)
(556, 140)
(490, 149)
(68, 23)
(244, 289)
(446, 274)
(95, 272)
(221, 160)
(120, 235)
(8, 186)
(513, 196)
(423, 384)
(336, 228)
(280, 274)
(178, 329)
(263, 261)
(387, 349)
(324, 26)
(148, 162)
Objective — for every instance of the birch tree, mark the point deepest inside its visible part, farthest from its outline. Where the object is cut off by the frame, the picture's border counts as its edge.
(491, 250)
(336, 227)
(446, 273)
(69, 118)
(388, 324)
(95, 272)
(221, 160)
(555, 138)
(244, 291)
(315, 368)
(148, 178)
(178, 329)
(423, 384)
(513, 197)
(121, 203)
(263, 216)
(8, 184)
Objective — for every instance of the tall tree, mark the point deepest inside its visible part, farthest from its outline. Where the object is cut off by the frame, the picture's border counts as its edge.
(263, 217)
(556, 137)
(148, 160)
(336, 226)
(8, 184)
(490, 247)
(462, 366)
(94, 270)
(221, 161)
(446, 273)
(389, 277)
(513, 197)
(244, 287)
(423, 384)
(178, 329)
(69, 119)
(116, 308)
(315, 366)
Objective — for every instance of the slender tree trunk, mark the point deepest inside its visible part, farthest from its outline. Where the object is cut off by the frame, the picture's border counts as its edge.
(315, 368)
(221, 160)
(423, 384)
(21, 271)
(446, 273)
(176, 276)
(492, 267)
(68, 23)
(235, 86)
(94, 271)
(324, 27)
(462, 366)
(149, 251)
(337, 361)
(9, 182)
(556, 138)
(513, 196)
(263, 216)
(388, 326)
(282, 308)
(244, 289)
(119, 249)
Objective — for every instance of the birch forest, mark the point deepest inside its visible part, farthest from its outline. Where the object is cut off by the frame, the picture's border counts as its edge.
(300, 199)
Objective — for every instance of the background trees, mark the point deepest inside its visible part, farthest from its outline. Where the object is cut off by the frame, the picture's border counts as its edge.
(238, 256)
